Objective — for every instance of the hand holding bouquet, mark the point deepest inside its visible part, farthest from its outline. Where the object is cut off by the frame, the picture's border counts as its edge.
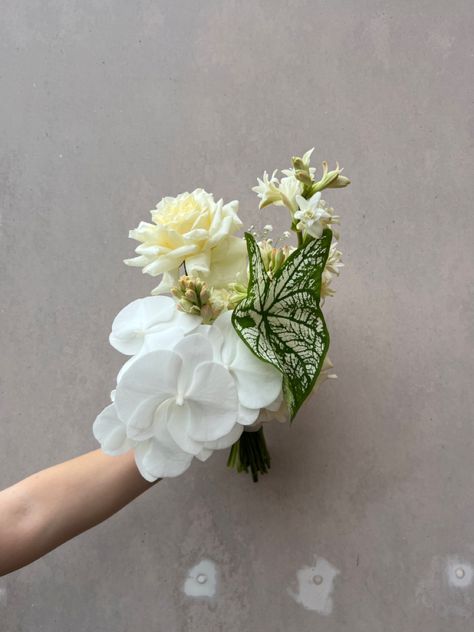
(233, 336)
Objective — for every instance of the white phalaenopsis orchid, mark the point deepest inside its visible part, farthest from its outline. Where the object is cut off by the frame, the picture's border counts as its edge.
(313, 218)
(148, 324)
(172, 404)
(258, 383)
(152, 315)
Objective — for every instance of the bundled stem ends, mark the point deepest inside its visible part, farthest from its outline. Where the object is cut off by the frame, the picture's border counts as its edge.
(250, 453)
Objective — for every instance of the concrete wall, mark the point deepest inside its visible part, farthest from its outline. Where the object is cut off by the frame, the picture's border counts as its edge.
(106, 107)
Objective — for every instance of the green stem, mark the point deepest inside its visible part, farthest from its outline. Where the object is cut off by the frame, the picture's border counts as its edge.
(250, 452)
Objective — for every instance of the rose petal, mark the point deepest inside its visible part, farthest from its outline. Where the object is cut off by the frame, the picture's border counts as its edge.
(198, 263)
(168, 280)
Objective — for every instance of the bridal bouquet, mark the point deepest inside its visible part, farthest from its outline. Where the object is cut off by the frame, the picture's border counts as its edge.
(233, 336)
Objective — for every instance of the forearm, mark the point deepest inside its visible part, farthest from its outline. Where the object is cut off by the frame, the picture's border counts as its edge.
(54, 505)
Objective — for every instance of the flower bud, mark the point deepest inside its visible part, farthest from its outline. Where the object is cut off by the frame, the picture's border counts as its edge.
(194, 297)
(303, 176)
(298, 163)
(204, 295)
(330, 179)
(190, 295)
(270, 199)
(209, 313)
(339, 182)
(279, 259)
(187, 307)
(237, 294)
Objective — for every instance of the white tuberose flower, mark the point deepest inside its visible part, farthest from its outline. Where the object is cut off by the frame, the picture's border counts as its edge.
(290, 188)
(313, 218)
(267, 189)
(172, 405)
(331, 269)
(271, 191)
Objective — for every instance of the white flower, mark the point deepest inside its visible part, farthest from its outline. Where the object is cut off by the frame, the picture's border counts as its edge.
(111, 432)
(155, 315)
(228, 264)
(147, 324)
(276, 411)
(258, 383)
(168, 281)
(185, 228)
(306, 160)
(331, 269)
(290, 188)
(267, 189)
(172, 405)
(283, 193)
(313, 218)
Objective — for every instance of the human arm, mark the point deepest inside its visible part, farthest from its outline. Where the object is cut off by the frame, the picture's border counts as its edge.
(54, 505)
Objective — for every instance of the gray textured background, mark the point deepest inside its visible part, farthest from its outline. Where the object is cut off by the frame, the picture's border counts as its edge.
(106, 107)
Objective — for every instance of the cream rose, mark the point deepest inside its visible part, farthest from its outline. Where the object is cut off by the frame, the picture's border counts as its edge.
(185, 228)
(228, 263)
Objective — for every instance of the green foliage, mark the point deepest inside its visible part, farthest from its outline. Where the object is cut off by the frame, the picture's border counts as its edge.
(281, 320)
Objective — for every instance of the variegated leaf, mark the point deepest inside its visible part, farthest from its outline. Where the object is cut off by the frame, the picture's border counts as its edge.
(281, 320)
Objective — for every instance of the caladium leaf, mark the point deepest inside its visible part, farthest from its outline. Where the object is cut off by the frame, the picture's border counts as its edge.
(281, 321)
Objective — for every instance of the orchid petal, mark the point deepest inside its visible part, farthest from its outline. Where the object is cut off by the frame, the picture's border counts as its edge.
(193, 350)
(177, 420)
(138, 317)
(152, 374)
(156, 461)
(110, 432)
(213, 398)
(227, 440)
